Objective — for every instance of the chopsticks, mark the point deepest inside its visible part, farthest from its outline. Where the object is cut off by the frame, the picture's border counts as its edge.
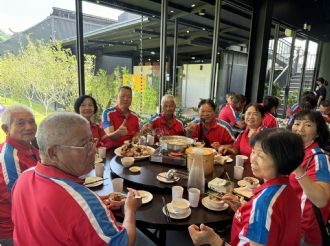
(168, 218)
(95, 181)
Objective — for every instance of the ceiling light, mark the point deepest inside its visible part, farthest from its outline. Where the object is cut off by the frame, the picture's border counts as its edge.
(193, 5)
(153, 16)
(172, 11)
(193, 58)
(152, 52)
(203, 28)
(188, 31)
(149, 59)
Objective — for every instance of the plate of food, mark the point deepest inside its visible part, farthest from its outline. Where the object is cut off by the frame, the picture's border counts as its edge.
(146, 196)
(137, 151)
(244, 191)
(162, 177)
(249, 182)
(214, 203)
(222, 159)
(91, 182)
(135, 169)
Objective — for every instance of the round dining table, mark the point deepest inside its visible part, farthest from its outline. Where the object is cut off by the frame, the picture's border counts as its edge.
(150, 215)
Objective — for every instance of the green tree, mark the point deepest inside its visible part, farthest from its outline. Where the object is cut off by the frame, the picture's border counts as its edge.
(3, 36)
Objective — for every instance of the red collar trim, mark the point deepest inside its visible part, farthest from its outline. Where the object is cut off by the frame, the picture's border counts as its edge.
(17, 145)
(53, 172)
(274, 181)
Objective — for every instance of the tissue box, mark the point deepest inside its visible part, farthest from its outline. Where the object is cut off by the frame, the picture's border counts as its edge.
(221, 185)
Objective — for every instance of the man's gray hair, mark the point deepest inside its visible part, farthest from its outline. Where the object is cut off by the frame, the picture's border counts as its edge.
(167, 97)
(56, 128)
(6, 117)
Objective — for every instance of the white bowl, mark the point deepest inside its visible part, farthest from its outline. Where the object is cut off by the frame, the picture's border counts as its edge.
(127, 161)
(180, 205)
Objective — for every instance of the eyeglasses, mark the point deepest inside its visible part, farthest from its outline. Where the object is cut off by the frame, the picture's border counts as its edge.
(90, 144)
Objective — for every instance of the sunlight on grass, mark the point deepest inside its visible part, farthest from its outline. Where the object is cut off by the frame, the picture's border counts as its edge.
(38, 110)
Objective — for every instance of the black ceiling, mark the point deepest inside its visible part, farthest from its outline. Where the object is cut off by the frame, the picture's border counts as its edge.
(196, 31)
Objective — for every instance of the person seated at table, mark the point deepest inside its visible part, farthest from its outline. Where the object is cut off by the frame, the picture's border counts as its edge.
(86, 106)
(253, 118)
(208, 129)
(306, 102)
(325, 110)
(50, 203)
(229, 97)
(266, 219)
(165, 123)
(270, 104)
(17, 155)
(119, 122)
(312, 182)
(230, 112)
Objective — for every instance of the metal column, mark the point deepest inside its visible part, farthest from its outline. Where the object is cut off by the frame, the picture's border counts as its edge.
(175, 56)
(80, 47)
(303, 69)
(288, 77)
(216, 31)
(317, 63)
(271, 75)
(162, 57)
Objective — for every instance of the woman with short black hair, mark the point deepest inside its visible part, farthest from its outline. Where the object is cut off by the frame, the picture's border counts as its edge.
(272, 216)
(86, 106)
(311, 180)
(208, 129)
(253, 117)
(270, 104)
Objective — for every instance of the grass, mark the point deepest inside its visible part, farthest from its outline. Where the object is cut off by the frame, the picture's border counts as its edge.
(38, 110)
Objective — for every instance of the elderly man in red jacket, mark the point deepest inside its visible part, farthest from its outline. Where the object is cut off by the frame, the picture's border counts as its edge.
(16, 155)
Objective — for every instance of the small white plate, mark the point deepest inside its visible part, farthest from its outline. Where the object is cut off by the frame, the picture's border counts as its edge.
(162, 178)
(244, 191)
(245, 183)
(146, 196)
(135, 169)
(206, 203)
(93, 179)
(176, 215)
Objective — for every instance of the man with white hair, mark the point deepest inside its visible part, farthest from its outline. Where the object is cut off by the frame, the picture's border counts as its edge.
(16, 155)
(165, 123)
(50, 203)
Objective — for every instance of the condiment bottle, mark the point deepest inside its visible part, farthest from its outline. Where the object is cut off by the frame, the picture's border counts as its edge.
(196, 174)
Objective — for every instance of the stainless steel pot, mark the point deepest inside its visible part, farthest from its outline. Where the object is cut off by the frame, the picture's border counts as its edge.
(175, 143)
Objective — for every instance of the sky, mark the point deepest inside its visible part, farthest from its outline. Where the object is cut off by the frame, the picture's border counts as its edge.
(19, 15)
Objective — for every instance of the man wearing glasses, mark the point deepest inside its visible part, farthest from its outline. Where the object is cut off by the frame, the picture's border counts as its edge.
(16, 155)
(119, 122)
(50, 204)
